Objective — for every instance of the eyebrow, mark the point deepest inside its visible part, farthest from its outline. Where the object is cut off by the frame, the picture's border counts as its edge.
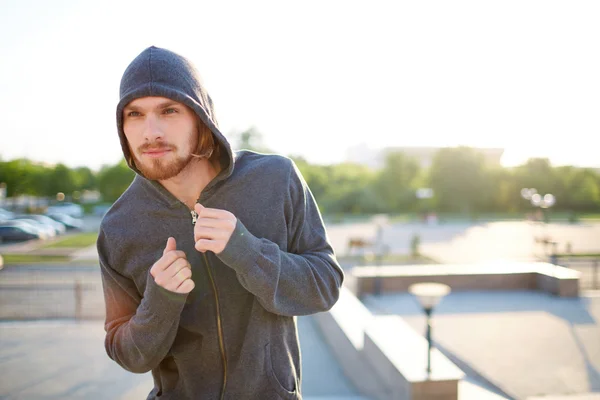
(159, 106)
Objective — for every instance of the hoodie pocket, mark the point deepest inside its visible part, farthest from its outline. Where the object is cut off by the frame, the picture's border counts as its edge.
(273, 371)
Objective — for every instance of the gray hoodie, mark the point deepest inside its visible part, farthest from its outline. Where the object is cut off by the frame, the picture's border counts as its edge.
(234, 336)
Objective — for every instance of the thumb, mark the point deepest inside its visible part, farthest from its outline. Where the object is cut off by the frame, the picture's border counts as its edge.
(171, 245)
(198, 208)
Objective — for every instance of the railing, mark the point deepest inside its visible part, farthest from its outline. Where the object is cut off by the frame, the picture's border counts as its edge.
(589, 268)
(43, 295)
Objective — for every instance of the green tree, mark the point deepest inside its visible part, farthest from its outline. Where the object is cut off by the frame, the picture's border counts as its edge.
(459, 179)
(576, 189)
(114, 180)
(85, 179)
(250, 139)
(395, 183)
(62, 179)
(351, 190)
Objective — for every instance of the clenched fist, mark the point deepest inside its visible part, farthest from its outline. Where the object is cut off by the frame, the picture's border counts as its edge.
(213, 228)
(173, 271)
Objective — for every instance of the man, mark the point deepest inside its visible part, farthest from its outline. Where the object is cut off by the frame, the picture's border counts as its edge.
(208, 256)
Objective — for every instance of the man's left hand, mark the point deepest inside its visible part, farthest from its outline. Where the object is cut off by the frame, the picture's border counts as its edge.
(213, 228)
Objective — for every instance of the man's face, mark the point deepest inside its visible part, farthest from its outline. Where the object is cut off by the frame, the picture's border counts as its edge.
(162, 135)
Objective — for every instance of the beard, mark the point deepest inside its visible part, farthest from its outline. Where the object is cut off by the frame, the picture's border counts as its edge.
(159, 169)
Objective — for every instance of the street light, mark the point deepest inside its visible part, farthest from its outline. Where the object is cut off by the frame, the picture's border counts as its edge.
(543, 202)
(429, 295)
(380, 248)
(536, 199)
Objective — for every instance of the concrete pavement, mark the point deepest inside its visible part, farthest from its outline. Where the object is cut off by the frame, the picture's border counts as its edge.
(525, 343)
(63, 359)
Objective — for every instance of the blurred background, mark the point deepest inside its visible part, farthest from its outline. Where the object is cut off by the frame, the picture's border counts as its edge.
(432, 135)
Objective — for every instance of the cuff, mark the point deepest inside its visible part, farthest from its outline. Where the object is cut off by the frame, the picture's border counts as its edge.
(241, 249)
(162, 303)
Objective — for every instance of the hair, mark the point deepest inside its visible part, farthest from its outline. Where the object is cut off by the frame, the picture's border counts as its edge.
(207, 145)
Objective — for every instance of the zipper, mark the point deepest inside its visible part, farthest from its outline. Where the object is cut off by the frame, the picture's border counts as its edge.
(218, 309)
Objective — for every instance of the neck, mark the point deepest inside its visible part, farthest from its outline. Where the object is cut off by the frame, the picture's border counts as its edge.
(191, 181)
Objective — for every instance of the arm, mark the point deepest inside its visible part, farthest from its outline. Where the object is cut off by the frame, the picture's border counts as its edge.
(302, 281)
(139, 330)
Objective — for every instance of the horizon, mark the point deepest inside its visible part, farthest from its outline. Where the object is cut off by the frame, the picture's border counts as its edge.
(518, 76)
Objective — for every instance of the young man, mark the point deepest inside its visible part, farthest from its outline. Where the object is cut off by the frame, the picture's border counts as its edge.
(208, 256)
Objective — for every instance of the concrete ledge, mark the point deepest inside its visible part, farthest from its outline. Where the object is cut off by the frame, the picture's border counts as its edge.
(554, 279)
(383, 356)
(343, 329)
(399, 355)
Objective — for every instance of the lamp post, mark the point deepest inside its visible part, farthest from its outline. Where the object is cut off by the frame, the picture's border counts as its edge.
(543, 203)
(429, 295)
(424, 194)
(380, 249)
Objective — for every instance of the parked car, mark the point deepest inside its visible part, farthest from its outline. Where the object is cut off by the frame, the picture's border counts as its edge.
(71, 209)
(47, 229)
(17, 231)
(69, 222)
(5, 214)
(59, 228)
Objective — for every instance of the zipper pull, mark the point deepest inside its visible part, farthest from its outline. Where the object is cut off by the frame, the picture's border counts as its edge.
(194, 217)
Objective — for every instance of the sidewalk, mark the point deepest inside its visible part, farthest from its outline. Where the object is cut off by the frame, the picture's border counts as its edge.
(66, 360)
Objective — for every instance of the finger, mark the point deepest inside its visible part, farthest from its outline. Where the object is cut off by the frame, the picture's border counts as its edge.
(182, 275)
(204, 245)
(206, 212)
(177, 266)
(218, 223)
(206, 232)
(170, 258)
(186, 286)
(171, 245)
(172, 282)
(198, 208)
(166, 260)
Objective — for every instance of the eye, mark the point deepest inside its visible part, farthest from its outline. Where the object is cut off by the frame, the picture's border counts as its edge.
(170, 111)
(133, 114)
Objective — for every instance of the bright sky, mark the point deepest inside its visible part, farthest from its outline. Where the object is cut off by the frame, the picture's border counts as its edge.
(315, 77)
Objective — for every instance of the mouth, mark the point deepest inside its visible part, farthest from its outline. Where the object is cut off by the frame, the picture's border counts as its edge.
(156, 153)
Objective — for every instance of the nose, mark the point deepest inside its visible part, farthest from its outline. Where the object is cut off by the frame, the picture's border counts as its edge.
(152, 129)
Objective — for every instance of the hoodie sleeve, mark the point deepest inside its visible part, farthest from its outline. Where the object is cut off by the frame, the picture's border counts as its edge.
(139, 329)
(303, 281)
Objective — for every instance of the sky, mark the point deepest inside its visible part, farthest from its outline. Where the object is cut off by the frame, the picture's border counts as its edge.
(314, 77)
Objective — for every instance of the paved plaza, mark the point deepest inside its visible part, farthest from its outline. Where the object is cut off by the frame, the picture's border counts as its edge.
(63, 359)
(525, 343)
(466, 242)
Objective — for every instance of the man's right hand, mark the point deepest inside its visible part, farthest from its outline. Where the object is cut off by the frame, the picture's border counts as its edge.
(173, 271)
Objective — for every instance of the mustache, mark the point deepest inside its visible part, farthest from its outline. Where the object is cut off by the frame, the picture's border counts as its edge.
(155, 147)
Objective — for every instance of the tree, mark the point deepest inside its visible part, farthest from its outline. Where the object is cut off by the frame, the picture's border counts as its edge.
(458, 179)
(62, 179)
(114, 180)
(395, 183)
(250, 139)
(85, 179)
(576, 189)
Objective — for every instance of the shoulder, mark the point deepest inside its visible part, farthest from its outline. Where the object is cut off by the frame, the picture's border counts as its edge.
(124, 208)
(252, 159)
(268, 166)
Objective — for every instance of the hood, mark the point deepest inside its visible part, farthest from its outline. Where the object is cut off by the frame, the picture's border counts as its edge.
(163, 73)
